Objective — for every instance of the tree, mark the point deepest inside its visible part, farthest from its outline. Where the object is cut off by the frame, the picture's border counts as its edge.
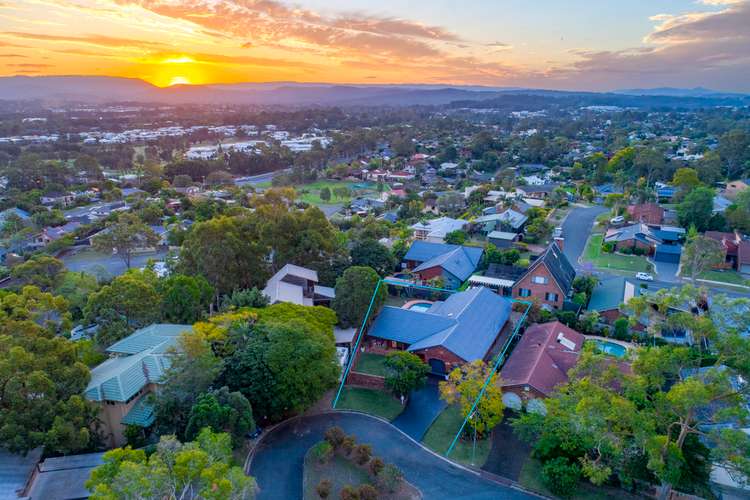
(734, 149)
(462, 388)
(701, 254)
(457, 237)
(228, 251)
(370, 253)
(354, 291)
(697, 208)
(686, 179)
(286, 361)
(41, 378)
(325, 194)
(244, 298)
(193, 369)
(41, 271)
(222, 411)
(200, 469)
(406, 372)
(125, 236)
(130, 301)
(184, 298)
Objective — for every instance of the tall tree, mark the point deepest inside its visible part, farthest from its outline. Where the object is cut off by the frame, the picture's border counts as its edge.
(184, 298)
(463, 387)
(125, 236)
(222, 411)
(697, 208)
(354, 290)
(370, 253)
(701, 254)
(734, 148)
(406, 372)
(41, 271)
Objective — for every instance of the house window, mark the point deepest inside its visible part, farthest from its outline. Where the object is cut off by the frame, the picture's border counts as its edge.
(524, 292)
(540, 280)
(550, 297)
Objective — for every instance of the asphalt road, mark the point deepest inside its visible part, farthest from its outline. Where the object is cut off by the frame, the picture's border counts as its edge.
(576, 230)
(278, 462)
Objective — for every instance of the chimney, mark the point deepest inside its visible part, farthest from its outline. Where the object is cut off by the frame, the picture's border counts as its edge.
(560, 241)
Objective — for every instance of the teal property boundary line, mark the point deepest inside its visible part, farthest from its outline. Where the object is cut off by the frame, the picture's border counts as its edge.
(499, 360)
(364, 322)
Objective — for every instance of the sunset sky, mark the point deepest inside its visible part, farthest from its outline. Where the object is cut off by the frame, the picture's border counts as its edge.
(566, 44)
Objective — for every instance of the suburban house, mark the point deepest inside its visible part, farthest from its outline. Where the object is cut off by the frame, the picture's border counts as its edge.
(549, 279)
(298, 285)
(736, 250)
(609, 294)
(735, 187)
(445, 334)
(538, 192)
(660, 241)
(435, 230)
(502, 239)
(649, 213)
(452, 263)
(539, 363)
(121, 384)
(509, 221)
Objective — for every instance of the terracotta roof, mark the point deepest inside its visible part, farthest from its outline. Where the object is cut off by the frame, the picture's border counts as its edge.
(650, 213)
(543, 357)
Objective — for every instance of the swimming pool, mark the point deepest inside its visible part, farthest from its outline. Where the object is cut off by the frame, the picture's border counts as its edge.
(610, 348)
(420, 306)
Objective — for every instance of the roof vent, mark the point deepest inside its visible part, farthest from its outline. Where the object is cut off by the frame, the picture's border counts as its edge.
(567, 343)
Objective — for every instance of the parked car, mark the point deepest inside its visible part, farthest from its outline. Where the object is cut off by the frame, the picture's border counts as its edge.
(644, 276)
(617, 220)
(257, 432)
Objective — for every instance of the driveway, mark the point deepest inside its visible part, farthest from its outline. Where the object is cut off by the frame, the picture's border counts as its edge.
(421, 411)
(666, 271)
(576, 230)
(278, 462)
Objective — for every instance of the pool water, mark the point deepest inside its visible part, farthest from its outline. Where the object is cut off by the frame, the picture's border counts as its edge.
(419, 307)
(610, 348)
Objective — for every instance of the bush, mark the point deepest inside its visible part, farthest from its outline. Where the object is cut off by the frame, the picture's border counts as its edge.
(626, 251)
(376, 466)
(322, 452)
(622, 327)
(362, 454)
(324, 488)
(561, 476)
(639, 251)
(349, 492)
(347, 444)
(390, 478)
(367, 492)
(608, 247)
(335, 437)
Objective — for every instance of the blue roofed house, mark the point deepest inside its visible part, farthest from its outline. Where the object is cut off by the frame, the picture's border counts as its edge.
(449, 333)
(451, 263)
(122, 383)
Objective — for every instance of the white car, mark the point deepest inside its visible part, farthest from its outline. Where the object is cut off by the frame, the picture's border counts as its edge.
(617, 220)
(644, 277)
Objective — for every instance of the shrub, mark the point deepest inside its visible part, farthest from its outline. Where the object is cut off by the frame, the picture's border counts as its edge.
(362, 454)
(376, 465)
(639, 251)
(348, 492)
(561, 476)
(335, 437)
(622, 326)
(348, 444)
(626, 251)
(322, 452)
(324, 488)
(390, 478)
(367, 492)
(608, 247)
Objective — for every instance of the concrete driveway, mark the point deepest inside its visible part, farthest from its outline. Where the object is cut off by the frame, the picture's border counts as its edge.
(278, 463)
(423, 408)
(666, 271)
(576, 230)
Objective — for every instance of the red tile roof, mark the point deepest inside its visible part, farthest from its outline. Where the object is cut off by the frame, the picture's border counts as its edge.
(650, 213)
(729, 241)
(543, 357)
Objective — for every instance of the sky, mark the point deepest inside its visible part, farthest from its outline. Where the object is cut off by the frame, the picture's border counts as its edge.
(558, 44)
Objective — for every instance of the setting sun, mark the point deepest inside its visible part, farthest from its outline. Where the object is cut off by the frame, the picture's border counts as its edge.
(179, 80)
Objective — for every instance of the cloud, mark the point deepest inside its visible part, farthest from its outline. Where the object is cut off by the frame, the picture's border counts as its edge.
(205, 58)
(13, 56)
(97, 40)
(30, 65)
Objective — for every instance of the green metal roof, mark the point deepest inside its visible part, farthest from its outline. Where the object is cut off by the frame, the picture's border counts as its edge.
(162, 335)
(141, 414)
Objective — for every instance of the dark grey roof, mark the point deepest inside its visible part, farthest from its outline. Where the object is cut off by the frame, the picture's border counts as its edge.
(504, 271)
(559, 266)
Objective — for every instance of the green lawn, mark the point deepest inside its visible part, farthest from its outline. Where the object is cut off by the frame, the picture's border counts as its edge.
(372, 401)
(732, 277)
(374, 364)
(631, 263)
(440, 435)
(339, 471)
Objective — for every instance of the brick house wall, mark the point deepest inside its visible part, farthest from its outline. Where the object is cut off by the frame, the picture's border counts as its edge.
(538, 290)
(450, 281)
(525, 395)
(634, 243)
(451, 360)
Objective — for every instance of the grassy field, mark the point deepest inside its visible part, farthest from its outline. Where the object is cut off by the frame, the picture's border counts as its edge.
(440, 435)
(732, 277)
(339, 471)
(310, 193)
(374, 364)
(593, 253)
(371, 401)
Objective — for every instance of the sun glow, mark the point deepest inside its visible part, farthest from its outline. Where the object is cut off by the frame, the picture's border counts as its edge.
(179, 80)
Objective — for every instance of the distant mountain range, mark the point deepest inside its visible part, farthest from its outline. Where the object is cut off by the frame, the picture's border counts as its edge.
(99, 89)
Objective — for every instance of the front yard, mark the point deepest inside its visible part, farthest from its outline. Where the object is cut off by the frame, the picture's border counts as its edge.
(373, 364)
(441, 433)
(729, 276)
(629, 263)
(371, 401)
